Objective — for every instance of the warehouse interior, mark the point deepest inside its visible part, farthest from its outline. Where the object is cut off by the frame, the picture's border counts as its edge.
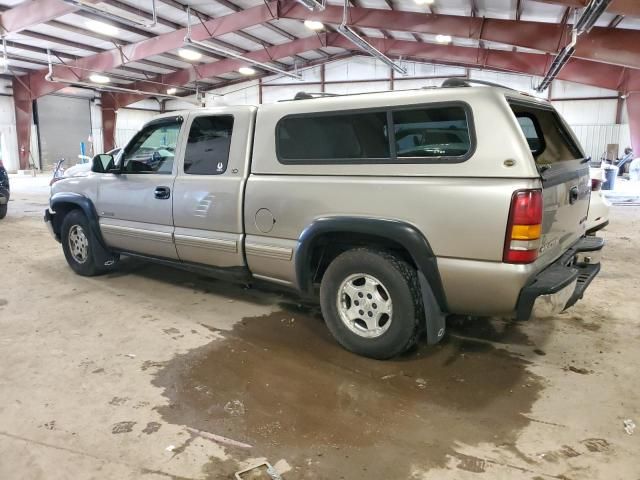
(152, 372)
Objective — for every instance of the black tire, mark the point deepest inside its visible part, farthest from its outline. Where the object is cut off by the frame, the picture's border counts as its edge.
(89, 267)
(3, 211)
(398, 278)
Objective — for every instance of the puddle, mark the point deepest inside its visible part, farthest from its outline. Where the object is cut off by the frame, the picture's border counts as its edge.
(297, 395)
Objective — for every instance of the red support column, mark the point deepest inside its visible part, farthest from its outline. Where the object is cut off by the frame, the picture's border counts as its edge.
(23, 105)
(109, 108)
(633, 110)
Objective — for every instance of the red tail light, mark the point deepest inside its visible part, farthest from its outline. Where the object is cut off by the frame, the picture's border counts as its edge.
(524, 227)
(596, 184)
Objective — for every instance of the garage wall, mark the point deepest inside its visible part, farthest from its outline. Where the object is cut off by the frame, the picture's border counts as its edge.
(130, 120)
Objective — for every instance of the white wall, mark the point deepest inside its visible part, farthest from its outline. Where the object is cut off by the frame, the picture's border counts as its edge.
(128, 122)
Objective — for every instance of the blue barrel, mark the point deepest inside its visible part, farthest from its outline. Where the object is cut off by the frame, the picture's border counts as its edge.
(610, 173)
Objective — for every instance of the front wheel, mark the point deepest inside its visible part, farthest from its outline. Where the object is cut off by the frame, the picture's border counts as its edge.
(80, 246)
(371, 303)
(3, 211)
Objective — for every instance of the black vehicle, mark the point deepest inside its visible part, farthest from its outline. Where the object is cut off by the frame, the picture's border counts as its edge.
(4, 191)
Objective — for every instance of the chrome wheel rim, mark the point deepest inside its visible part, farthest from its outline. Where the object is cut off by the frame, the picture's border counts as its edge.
(78, 244)
(364, 305)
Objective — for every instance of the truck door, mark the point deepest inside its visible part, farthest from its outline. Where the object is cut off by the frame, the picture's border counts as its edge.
(134, 204)
(209, 187)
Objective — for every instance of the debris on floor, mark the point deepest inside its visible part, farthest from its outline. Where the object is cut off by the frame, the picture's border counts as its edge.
(235, 408)
(629, 426)
(218, 438)
(260, 471)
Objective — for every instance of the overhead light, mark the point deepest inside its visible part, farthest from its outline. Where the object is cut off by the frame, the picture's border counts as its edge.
(424, 2)
(247, 70)
(312, 5)
(97, 78)
(101, 27)
(189, 54)
(443, 38)
(313, 25)
(171, 91)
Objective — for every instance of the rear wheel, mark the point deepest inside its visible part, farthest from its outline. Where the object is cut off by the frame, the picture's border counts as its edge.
(3, 211)
(371, 303)
(80, 246)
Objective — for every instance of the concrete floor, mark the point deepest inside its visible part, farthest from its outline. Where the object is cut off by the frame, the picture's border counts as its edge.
(153, 373)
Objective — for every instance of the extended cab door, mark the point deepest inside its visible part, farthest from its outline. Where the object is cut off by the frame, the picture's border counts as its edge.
(564, 171)
(209, 187)
(134, 204)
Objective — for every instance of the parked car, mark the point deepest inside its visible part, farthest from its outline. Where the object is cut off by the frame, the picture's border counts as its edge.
(598, 217)
(4, 191)
(315, 194)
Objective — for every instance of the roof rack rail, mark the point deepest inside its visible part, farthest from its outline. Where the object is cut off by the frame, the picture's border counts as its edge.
(466, 82)
(310, 95)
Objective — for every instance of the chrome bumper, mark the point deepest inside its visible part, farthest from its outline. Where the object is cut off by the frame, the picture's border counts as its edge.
(48, 221)
(551, 304)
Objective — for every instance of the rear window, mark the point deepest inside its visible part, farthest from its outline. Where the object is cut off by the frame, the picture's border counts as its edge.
(548, 138)
(425, 134)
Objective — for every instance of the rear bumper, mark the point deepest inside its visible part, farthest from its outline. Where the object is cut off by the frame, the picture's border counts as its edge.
(562, 283)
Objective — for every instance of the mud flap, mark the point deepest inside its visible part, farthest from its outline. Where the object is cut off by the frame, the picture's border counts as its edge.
(101, 255)
(435, 320)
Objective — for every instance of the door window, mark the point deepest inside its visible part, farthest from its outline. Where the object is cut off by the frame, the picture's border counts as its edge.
(207, 151)
(152, 150)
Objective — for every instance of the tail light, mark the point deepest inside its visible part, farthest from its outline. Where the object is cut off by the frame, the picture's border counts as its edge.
(596, 184)
(524, 227)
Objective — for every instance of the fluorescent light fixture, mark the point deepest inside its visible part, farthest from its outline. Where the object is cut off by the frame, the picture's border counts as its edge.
(189, 54)
(171, 91)
(91, 8)
(312, 5)
(97, 78)
(247, 70)
(101, 27)
(360, 42)
(424, 2)
(443, 38)
(313, 25)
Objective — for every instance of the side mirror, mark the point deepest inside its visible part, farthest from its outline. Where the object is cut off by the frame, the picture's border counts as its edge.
(102, 163)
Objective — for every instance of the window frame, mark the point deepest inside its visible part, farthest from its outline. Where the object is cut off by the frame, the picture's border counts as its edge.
(153, 123)
(186, 143)
(537, 128)
(393, 158)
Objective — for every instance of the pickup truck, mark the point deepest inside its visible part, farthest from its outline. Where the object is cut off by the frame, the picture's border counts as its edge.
(391, 209)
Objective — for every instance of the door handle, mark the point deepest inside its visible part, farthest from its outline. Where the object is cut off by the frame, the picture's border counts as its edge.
(573, 195)
(162, 193)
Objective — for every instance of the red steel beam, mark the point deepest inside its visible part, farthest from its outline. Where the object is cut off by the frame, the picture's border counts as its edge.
(23, 105)
(108, 107)
(31, 13)
(619, 7)
(581, 71)
(633, 111)
(602, 44)
(115, 58)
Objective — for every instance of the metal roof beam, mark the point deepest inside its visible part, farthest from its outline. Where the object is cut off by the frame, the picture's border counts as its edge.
(30, 13)
(601, 44)
(619, 7)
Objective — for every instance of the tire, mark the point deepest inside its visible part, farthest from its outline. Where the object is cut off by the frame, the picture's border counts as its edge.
(344, 298)
(81, 250)
(3, 210)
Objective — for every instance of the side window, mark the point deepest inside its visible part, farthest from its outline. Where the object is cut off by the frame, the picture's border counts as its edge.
(208, 146)
(431, 132)
(152, 150)
(532, 133)
(339, 137)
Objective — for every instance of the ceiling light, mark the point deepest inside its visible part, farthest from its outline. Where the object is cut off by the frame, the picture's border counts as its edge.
(189, 54)
(101, 27)
(171, 91)
(424, 2)
(247, 70)
(443, 38)
(97, 78)
(313, 25)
